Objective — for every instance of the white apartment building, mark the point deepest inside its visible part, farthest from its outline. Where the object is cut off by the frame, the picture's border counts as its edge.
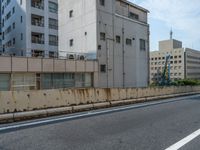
(184, 62)
(30, 27)
(115, 32)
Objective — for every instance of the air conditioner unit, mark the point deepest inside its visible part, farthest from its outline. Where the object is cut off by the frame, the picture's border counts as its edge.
(81, 57)
(71, 56)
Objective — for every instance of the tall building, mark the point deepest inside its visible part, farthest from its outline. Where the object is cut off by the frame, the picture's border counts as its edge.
(184, 62)
(30, 27)
(115, 32)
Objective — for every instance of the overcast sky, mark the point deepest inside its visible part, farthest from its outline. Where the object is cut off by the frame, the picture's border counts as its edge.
(183, 16)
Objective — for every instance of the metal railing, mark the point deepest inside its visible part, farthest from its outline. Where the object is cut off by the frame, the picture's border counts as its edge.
(29, 52)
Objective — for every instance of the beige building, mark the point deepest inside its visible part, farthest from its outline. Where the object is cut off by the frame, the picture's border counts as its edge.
(184, 62)
(23, 73)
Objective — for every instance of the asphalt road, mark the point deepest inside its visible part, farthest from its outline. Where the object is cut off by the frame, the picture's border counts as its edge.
(149, 127)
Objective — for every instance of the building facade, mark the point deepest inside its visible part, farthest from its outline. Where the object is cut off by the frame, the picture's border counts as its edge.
(115, 32)
(30, 27)
(184, 62)
(24, 73)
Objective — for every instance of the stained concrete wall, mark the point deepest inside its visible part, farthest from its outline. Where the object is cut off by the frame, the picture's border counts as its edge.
(20, 101)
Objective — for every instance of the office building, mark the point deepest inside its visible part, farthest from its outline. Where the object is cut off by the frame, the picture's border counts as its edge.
(30, 27)
(115, 32)
(184, 62)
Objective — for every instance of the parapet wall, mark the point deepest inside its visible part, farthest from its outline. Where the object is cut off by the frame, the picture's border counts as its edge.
(20, 101)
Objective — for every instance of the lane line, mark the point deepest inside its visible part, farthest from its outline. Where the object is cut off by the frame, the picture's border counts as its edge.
(86, 114)
(184, 141)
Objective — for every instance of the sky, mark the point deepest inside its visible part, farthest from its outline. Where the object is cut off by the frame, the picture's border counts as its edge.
(182, 16)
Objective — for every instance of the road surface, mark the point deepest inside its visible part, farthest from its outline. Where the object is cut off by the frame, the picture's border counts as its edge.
(163, 125)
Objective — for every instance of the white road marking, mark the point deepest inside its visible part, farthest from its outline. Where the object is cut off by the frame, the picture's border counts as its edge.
(184, 141)
(88, 114)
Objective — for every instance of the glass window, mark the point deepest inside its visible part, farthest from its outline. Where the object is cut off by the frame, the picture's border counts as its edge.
(142, 44)
(53, 24)
(128, 42)
(23, 81)
(102, 2)
(4, 82)
(53, 40)
(102, 36)
(46, 81)
(53, 7)
(118, 39)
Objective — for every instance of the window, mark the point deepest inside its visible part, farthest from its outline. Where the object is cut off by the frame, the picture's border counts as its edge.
(71, 42)
(142, 45)
(102, 2)
(13, 25)
(39, 4)
(8, 15)
(53, 7)
(37, 38)
(9, 44)
(20, 2)
(52, 54)
(2, 10)
(70, 13)
(118, 39)
(8, 2)
(53, 40)
(8, 30)
(3, 35)
(102, 36)
(133, 16)
(99, 47)
(13, 10)
(37, 53)
(21, 19)
(4, 82)
(128, 42)
(103, 68)
(53, 24)
(13, 41)
(37, 20)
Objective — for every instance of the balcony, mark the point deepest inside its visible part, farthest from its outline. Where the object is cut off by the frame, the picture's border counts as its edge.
(37, 38)
(37, 4)
(37, 53)
(37, 20)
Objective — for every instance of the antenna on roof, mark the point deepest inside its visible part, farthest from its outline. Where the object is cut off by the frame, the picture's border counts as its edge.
(171, 34)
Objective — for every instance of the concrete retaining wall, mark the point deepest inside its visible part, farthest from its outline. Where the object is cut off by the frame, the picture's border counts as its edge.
(22, 101)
